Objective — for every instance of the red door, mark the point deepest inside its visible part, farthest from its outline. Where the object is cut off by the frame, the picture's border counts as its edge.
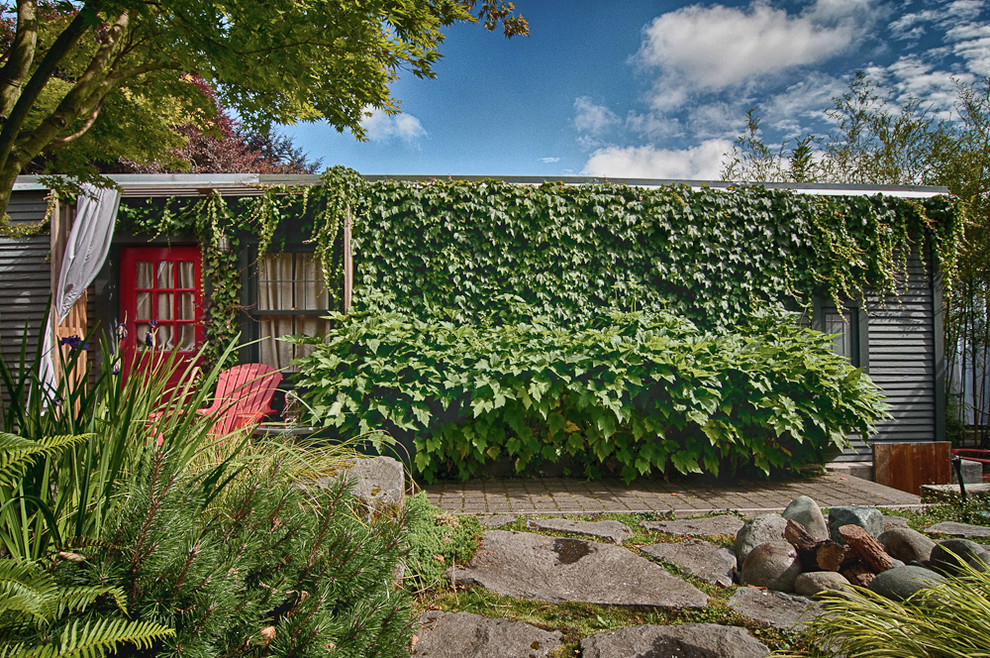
(161, 306)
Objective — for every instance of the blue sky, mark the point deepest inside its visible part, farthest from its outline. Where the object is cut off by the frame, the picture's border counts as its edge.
(658, 89)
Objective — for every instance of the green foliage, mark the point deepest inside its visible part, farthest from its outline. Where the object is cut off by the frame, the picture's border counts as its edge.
(267, 567)
(951, 620)
(436, 540)
(69, 62)
(455, 249)
(31, 601)
(640, 392)
(80, 444)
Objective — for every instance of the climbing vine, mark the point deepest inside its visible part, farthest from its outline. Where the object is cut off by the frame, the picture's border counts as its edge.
(473, 251)
(462, 250)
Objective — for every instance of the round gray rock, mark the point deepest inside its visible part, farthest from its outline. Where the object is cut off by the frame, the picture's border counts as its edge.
(906, 544)
(901, 582)
(613, 531)
(960, 529)
(531, 566)
(724, 524)
(774, 565)
(947, 554)
(805, 511)
(782, 611)
(756, 531)
(893, 521)
(682, 641)
(698, 558)
(812, 583)
(459, 634)
(868, 518)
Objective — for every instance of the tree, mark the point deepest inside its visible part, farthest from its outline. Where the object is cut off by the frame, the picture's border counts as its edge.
(879, 140)
(68, 64)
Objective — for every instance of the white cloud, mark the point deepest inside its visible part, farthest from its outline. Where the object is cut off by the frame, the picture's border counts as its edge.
(701, 162)
(592, 118)
(382, 127)
(699, 48)
(550, 159)
(913, 25)
(971, 42)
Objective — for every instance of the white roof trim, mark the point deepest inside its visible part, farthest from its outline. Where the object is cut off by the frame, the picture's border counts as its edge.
(164, 185)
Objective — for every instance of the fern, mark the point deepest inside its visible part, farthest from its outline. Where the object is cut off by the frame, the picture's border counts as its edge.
(30, 600)
(18, 453)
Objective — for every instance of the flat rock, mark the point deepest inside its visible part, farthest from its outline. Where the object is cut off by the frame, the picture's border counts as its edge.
(697, 557)
(893, 521)
(805, 511)
(554, 569)
(782, 611)
(901, 582)
(959, 529)
(682, 641)
(759, 530)
(724, 524)
(459, 634)
(495, 520)
(868, 518)
(613, 531)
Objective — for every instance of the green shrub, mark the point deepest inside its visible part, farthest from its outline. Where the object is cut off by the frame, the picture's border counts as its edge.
(643, 392)
(436, 541)
(266, 569)
(951, 620)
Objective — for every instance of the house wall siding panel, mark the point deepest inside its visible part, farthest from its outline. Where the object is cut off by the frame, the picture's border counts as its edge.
(25, 278)
(902, 349)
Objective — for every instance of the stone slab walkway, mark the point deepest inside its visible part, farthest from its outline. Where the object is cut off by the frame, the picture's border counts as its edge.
(698, 496)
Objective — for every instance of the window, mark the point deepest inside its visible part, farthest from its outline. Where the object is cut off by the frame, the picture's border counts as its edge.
(844, 325)
(290, 300)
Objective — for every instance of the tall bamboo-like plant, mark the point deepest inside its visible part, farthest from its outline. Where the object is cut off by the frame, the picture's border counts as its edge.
(65, 497)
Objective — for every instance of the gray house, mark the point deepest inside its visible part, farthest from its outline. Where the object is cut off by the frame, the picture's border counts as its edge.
(897, 341)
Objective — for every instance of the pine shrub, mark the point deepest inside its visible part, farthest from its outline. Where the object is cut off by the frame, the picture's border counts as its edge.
(268, 568)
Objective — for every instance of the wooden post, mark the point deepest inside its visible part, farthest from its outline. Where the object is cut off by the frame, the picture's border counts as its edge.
(348, 263)
(907, 466)
(75, 323)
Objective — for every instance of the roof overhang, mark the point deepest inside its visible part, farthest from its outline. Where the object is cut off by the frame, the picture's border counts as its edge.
(165, 185)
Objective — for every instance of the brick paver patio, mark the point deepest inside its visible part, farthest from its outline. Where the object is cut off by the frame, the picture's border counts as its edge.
(572, 496)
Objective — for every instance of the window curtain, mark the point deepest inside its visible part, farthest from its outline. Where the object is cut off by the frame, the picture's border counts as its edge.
(288, 282)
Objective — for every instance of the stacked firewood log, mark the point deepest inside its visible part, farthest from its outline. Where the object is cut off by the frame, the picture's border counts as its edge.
(860, 559)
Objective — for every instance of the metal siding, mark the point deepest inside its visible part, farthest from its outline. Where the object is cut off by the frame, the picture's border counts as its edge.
(25, 275)
(902, 345)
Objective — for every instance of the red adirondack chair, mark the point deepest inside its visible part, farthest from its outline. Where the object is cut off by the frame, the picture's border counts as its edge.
(243, 398)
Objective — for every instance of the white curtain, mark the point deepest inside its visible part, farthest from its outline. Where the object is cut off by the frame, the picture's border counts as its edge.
(288, 282)
(85, 252)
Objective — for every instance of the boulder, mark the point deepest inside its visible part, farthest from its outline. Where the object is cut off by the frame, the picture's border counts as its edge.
(756, 531)
(698, 558)
(893, 521)
(782, 611)
(682, 640)
(613, 531)
(458, 634)
(773, 565)
(378, 481)
(812, 583)
(556, 569)
(906, 544)
(868, 518)
(947, 554)
(901, 582)
(724, 524)
(805, 511)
